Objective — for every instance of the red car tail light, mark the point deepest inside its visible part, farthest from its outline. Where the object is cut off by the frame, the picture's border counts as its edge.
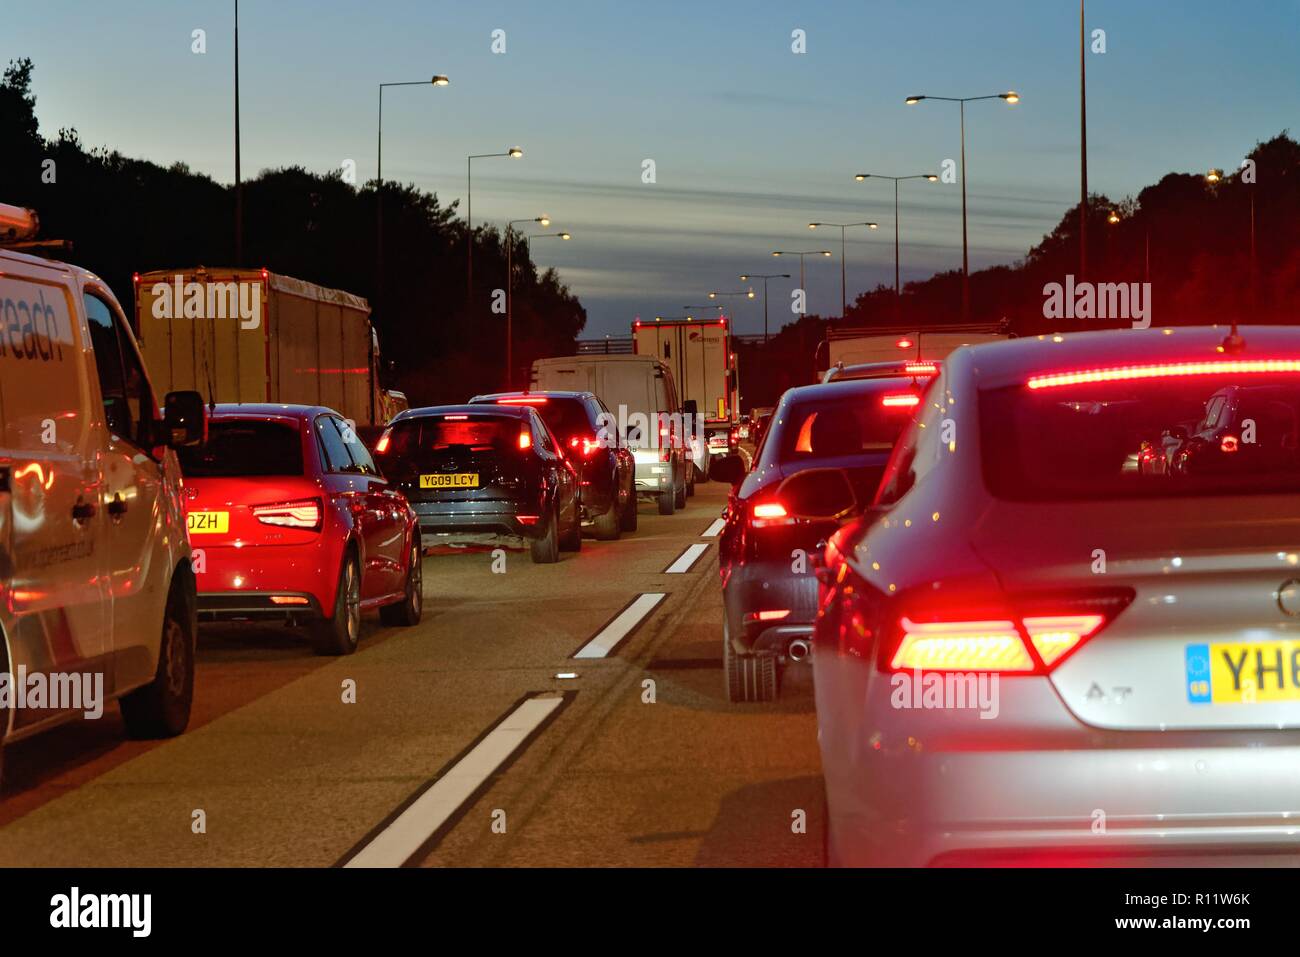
(900, 400)
(764, 514)
(525, 439)
(303, 514)
(382, 445)
(921, 368)
(1009, 643)
(528, 400)
(588, 447)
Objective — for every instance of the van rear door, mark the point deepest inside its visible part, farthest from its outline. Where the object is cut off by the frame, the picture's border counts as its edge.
(54, 601)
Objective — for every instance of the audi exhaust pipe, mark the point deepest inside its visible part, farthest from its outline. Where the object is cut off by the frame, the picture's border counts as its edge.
(798, 650)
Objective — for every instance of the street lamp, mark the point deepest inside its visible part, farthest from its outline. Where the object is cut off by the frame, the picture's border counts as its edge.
(513, 152)
(1011, 97)
(929, 177)
(843, 227)
(802, 255)
(437, 80)
(746, 277)
(542, 220)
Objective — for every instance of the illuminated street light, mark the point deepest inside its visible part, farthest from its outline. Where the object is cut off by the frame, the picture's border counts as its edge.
(513, 152)
(843, 227)
(1011, 97)
(802, 256)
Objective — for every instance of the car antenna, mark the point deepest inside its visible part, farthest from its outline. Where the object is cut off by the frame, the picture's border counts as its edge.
(1233, 342)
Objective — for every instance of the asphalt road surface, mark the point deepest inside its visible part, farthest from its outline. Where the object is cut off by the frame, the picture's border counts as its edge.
(464, 746)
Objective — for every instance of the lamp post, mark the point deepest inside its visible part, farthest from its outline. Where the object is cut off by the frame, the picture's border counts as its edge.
(513, 153)
(746, 277)
(843, 227)
(930, 177)
(747, 293)
(438, 80)
(802, 256)
(239, 185)
(1012, 98)
(510, 282)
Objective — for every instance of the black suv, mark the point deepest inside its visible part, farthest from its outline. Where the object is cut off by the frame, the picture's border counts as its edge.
(588, 432)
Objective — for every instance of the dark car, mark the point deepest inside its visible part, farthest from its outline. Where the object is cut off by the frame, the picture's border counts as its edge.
(769, 591)
(587, 430)
(473, 470)
(915, 368)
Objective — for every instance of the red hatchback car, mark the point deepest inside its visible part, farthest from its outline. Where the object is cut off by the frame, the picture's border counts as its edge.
(291, 520)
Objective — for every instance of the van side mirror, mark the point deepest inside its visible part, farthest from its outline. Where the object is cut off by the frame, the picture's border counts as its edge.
(729, 469)
(819, 495)
(185, 421)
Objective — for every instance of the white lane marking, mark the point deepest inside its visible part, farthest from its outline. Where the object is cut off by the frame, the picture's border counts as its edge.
(686, 559)
(395, 844)
(713, 530)
(607, 638)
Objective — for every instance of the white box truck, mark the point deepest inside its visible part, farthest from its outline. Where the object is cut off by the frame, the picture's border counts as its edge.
(926, 343)
(699, 353)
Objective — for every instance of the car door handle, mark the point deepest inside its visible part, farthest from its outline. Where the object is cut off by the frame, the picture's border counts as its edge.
(83, 511)
(117, 507)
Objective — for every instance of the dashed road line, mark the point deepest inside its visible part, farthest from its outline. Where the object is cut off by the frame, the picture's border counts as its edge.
(408, 834)
(713, 530)
(621, 626)
(687, 558)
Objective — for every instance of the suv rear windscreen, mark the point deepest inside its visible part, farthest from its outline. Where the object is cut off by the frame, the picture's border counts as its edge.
(244, 448)
(1154, 437)
(565, 417)
(477, 433)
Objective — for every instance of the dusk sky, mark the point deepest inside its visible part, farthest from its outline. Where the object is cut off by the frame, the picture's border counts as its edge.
(751, 141)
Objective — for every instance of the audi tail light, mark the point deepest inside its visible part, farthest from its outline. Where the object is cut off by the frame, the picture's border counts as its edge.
(302, 514)
(1031, 640)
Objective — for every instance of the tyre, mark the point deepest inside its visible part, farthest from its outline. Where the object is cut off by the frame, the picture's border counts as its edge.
(339, 633)
(680, 501)
(667, 502)
(572, 541)
(161, 709)
(627, 518)
(546, 550)
(608, 525)
(750, 678)
(690, 480)
(407, 611)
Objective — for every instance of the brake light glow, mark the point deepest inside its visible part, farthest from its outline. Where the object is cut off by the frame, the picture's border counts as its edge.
(992, 645)
(1164, 371)
(1055, 635)
(527, 400)
(455, 418)
(1228, 443)
(904, 343)
(304, 514)
(921, 368)
(382, 445)
(587, 446)
(525, 439)
(900, 400)
(770, 510)
(288, 600)
(961, 646)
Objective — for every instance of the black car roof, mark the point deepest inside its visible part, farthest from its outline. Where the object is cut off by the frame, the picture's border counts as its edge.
(511, 411)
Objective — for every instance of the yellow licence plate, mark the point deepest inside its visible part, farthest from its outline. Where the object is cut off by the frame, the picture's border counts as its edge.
(201, 523)
(1243, 672)
(450, 480)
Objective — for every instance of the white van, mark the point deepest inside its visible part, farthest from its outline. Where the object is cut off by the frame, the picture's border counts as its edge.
(97, 596)
(640, 386)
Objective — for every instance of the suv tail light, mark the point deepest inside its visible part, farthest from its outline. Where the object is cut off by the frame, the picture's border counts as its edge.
(1033, 640)
(303, 514)
(587, 446)
(764, 514)
(525, 439)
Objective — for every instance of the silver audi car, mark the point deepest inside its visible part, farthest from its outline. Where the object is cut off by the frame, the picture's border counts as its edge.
(1033, 647)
